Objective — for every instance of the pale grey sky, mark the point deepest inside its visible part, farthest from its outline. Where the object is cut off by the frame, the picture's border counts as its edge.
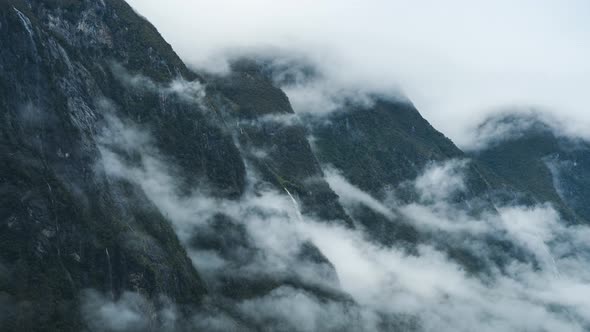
(457, 60)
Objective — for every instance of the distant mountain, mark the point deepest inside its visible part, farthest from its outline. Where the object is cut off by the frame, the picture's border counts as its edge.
(536, 159)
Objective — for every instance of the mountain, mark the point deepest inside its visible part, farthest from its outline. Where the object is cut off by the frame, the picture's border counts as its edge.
(536, 159)
(137, 194)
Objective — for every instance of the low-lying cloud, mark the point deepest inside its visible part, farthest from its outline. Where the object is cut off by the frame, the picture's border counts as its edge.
(188, 91)
(524, 296)
(545, 290)
(350, 195)
(130, 312)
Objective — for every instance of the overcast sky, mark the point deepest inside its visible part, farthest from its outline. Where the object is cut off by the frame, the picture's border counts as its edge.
(457, 60)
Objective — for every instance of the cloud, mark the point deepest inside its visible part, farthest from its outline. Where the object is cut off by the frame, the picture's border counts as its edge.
(187, 91)
(507, 125)
(444, 297)
(131, 312)
(321, 97)
(437, 291)
(427, 288)
(288, 309)
(351, 196)
(458, 61)
(440, 292)
(439, 182)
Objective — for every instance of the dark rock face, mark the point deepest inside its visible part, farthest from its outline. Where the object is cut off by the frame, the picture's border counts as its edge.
(64, 225)
(274, 140)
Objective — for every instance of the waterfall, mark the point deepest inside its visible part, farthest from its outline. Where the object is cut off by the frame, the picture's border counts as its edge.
(110, 272)
(295, 206)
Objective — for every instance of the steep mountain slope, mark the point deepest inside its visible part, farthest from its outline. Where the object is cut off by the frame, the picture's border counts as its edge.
(382, 147)
(75, 78)
(390, 143)
(65, 226)
(377, 141)
(274, 139)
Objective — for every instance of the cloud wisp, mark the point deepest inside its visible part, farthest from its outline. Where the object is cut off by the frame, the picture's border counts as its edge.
(187, 91)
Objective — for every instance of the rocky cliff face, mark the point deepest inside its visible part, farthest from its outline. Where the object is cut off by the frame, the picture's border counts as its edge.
(65, 225)
(274, 139)
(67, 68)
(136, 194)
